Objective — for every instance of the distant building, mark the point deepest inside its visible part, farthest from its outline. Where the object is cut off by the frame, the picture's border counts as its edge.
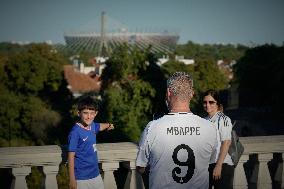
(181, 59)
(113, 35)
(80, 82)
(227, 67)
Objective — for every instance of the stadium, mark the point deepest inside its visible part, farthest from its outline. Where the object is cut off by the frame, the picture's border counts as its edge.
(102, 43)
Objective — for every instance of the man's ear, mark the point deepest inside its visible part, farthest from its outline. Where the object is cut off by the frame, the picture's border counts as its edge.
(168, 92)
(192, 93)
(78, 113)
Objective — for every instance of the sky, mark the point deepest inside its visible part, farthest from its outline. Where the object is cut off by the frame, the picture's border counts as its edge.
(247, 22)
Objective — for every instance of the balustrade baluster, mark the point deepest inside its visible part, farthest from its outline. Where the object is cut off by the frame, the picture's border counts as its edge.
(108, 169)
(240, 181)
(50, 180)
(264, 179)
(20, 173)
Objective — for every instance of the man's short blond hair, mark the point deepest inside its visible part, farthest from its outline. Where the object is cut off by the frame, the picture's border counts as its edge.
(180, 84)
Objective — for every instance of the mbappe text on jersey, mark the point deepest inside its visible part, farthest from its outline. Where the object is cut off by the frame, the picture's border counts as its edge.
(183, 131)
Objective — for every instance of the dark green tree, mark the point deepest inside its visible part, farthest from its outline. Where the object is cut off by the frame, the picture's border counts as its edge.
(259, 75)
(33, 96)
(209, 75)
(37, 68)
(216, 51)
(127, 98)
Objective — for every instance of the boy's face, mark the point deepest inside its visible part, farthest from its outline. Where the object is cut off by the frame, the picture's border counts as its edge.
(87, 115)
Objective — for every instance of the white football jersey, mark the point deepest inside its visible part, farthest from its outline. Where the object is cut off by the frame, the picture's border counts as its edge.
(177, 148)
(224, 126)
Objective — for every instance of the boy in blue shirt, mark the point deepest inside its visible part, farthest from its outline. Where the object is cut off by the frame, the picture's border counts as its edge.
(83, 166)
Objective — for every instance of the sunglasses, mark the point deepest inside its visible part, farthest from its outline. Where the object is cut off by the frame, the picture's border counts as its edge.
(210, 102)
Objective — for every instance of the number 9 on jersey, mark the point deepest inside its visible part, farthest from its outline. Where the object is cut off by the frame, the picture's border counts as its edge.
(189, 163)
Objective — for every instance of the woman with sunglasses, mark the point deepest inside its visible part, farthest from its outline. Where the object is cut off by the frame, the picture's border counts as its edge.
(221, 168)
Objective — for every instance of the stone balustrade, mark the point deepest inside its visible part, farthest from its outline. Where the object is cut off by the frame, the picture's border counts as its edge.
(261, 165)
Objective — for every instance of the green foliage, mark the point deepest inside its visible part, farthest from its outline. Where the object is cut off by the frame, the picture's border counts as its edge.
(260, 78)
(33, 70)
(7, 49)
(85, 57)
(154, 75)
(127, 98)
(35, 178)
(33, 95)
(37, 119)
(206, 74)
(63, 177)
(209, 75)
(172, 66)
(10, 109)
(217, 52)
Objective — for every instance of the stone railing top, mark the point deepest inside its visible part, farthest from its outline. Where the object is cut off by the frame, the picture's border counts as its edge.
(114, 152)
(122, 151)
(263, 144)
(30, 156)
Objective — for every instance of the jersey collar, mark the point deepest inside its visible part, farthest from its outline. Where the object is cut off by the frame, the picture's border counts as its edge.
(175, 113)
(86, 128)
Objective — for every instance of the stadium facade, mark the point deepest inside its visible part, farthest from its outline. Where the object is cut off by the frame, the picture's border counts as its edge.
(103, 42)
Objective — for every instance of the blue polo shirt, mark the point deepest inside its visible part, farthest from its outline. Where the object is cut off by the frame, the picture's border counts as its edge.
(83, 143)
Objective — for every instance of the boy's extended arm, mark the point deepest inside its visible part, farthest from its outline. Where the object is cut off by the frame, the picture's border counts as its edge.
(106, 126)
(72, 182)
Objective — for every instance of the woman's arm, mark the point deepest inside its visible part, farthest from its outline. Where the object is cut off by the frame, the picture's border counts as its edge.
(72, 181)
(223, 152)
(140, 170)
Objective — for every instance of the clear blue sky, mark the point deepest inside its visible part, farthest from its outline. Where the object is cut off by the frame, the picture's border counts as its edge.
(201, 21)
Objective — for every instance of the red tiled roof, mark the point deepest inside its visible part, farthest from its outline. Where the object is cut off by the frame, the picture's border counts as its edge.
(80, 82)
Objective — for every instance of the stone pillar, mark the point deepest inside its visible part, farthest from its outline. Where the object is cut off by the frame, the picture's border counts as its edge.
(278, 176)
(109, 180)
(264, 179)
(240, 181)
(134, 180)
(50, 176)
(20, 174)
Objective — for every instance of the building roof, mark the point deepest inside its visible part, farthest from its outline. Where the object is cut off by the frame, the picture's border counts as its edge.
(79, 82)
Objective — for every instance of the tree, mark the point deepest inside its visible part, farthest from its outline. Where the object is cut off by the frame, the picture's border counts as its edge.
(33, 70)
(33, 96)
(209, 75)
(216, 51)
(259, 75)
(10, 106)
(154, 75)
(127, 98)
(37, 119)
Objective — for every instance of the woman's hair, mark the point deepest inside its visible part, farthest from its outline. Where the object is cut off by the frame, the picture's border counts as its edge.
(217, 97)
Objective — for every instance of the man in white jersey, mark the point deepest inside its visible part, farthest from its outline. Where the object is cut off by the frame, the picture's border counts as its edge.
(178, 146)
